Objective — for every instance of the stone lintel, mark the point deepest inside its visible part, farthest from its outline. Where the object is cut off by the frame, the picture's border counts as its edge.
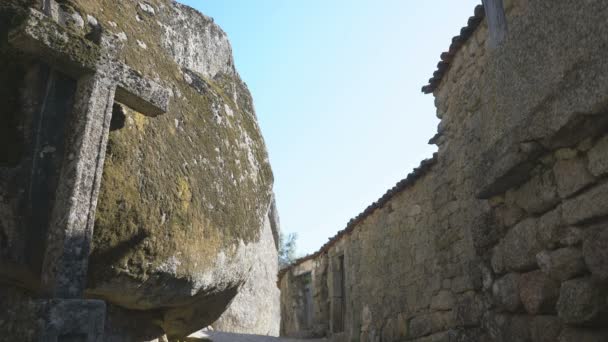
(71, 320)
(142, 95)
(55, 45)
(510, 171)
(506, 165)
(59, 47)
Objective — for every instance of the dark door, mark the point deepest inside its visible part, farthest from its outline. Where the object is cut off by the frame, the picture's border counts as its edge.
(338, 300)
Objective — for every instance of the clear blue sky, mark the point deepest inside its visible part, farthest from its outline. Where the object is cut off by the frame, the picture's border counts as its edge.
(336, 85)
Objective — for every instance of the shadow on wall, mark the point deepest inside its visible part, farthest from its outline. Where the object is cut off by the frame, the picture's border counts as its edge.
(11, 83)
(115, 254)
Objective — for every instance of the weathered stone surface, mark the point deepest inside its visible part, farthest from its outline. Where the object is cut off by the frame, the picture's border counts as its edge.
(24, 319)
(498, 260)
(171, 179)
(146, 96)
(147, 8)
(520, 246)
(201, 171)
(552, 233)
(513, 126)
(389, 331)
(196, 42)
(588, 205)
(402, 329)
(303, 297)
(509, 215)
(545, 328)
(506, 292)
(538, 194)
(255, 310)
(438, 337)
(77, 317)
(565, 153)
(595, 251)
(571, 175)
(571, 236)
(582, 335)
(598, 157)
(184, 197)
(511, 169)
(71, 223)
(217, 336)
(561, 264)
(538, 292)
(469, 309)
(580, 301)
(508, 328)
(549, 228)
(444, 300)
(468, 282)
(442, 320)
(40, 37)
(420, 326)
(69, 228)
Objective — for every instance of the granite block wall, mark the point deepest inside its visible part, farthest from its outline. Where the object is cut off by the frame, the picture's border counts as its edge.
(502, 236)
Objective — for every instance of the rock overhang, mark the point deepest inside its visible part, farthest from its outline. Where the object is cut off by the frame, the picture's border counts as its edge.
(184, 195)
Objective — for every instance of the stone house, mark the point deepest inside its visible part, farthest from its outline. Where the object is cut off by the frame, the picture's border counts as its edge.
(502, 235)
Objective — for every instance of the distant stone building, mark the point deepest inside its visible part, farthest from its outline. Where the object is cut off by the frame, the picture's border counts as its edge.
(503, 234)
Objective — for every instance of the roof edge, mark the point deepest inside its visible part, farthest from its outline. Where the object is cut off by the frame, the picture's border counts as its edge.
(424, 167)
(458, 42)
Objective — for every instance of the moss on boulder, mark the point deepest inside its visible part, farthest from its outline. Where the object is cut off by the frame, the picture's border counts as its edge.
(184, 195)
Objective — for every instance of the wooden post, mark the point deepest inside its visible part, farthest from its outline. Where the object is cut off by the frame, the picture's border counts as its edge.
(497, 22)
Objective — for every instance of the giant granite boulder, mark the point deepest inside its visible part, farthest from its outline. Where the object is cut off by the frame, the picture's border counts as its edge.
(185, 197)
(256, 308)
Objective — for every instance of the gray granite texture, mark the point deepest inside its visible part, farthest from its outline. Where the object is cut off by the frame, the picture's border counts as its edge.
(159, 169)
(503, 237)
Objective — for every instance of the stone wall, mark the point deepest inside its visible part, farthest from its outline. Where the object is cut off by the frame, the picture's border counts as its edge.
(294, 307)
(405, 265)
(503, 236)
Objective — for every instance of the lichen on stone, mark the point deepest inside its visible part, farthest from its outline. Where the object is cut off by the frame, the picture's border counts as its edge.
(186, 190)
(184, 195)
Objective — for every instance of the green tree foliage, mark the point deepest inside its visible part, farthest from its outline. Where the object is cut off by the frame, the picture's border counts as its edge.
(287, 249)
